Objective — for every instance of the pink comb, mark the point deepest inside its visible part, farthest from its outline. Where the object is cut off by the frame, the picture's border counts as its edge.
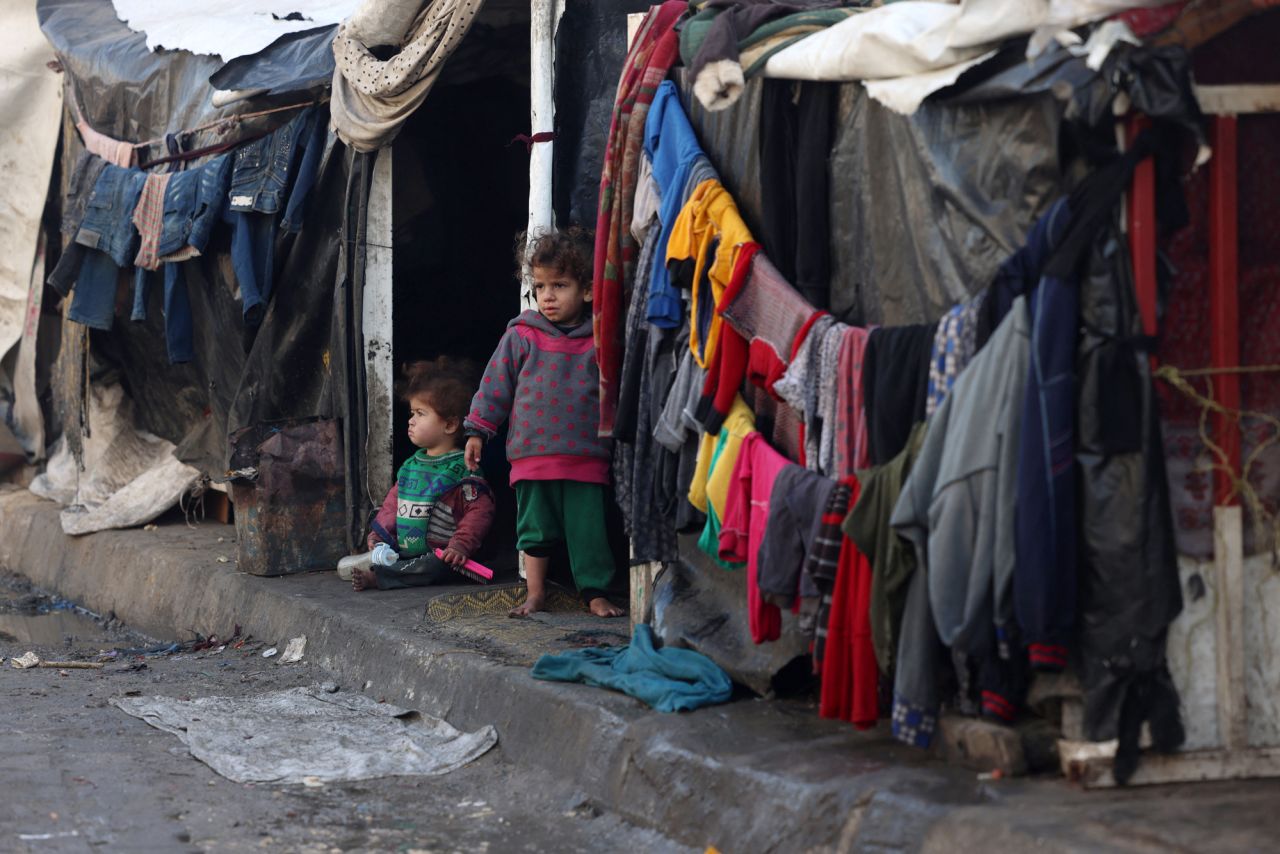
(471, 569)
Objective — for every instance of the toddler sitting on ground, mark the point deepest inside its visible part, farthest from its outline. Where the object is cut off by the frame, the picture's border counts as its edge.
(437, 502)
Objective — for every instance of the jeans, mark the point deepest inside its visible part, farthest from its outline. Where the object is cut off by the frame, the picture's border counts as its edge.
(260, 183)
(193, 203)
(83, 179)
(179, 326)
(107, 231)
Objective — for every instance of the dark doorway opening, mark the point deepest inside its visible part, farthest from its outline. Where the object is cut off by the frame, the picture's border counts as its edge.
(460, 197)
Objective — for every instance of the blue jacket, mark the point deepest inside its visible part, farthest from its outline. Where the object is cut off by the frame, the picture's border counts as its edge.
(672, 149)
(1045, 523)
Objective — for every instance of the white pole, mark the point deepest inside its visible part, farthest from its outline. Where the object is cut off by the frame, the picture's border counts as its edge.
(379, 362)
(544, 18)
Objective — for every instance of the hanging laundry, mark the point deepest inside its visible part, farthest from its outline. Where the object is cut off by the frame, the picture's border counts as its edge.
(728, 41)
(653, 51)
(953, 347)
(118, 153)
(84, 176)
(1045, 536)
(672, 149)
(828, 393)
(271, 179)
(1129, 588)
(795, 152)
(107, 229)
(795, 514)
(745, 524)
(713, 477)
(677, 432)
(893, 559)
(769, 313)
(649, 367)
(1019, 272)
(823, 562)
(957, 508)
(799, 386)
(852, 451)
(850, 677)
(702, 252)
(709, 539)
(895, 379)
(729, 364)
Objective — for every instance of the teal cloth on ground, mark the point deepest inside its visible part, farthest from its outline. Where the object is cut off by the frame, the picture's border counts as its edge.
(669, 679)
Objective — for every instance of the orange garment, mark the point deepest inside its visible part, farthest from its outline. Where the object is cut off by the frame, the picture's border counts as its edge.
(708, 221)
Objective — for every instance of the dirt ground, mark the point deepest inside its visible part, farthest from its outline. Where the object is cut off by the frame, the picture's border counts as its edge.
(80, 775)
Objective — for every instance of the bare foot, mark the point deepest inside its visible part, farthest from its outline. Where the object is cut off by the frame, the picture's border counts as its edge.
(602, 607)
(531, 603)
(363, 579)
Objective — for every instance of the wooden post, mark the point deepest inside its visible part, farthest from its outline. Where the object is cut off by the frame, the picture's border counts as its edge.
(642, 575)
(379, 360)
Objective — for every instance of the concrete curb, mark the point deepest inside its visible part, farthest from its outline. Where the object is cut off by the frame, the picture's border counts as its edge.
(751, 776)
(746, 776)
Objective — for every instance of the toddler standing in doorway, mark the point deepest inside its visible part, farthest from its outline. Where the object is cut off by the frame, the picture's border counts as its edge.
(543, 378)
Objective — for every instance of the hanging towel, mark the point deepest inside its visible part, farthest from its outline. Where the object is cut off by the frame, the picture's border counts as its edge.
(669, 679)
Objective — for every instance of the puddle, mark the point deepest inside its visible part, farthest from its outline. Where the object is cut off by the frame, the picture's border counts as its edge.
(52, 628)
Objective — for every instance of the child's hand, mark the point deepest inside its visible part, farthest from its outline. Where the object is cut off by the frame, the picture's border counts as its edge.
(474, 446)
(453, 557)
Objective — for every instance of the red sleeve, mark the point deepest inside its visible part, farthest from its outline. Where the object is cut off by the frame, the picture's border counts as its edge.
(386, 518)
(737, 507)
(473, 509)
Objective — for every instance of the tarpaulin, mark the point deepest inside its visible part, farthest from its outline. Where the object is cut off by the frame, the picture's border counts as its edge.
(291, 369)
(290, 736)
(591, 46)
(296, 61)
(227, 28)
(129, 478)
(30, 115)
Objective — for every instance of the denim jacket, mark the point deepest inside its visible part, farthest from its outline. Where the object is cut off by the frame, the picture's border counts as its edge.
(263, 168)
(108, 217)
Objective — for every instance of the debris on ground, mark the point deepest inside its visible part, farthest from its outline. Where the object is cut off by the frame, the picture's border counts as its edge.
(22, 662)
(294, 649)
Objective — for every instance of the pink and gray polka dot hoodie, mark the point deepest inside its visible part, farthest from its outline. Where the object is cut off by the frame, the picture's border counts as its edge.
(546, 382)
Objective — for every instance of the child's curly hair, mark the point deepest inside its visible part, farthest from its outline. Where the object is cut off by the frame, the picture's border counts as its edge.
(569, 252)
(447, 383)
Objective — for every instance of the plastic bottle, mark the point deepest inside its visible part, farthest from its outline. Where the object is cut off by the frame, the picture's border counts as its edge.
(382, 555)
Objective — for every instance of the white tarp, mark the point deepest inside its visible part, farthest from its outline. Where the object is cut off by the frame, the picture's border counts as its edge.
(227, 28)
(30, 115)
(130, 476)
(290, 736)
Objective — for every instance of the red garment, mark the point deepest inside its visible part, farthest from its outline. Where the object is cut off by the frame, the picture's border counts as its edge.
(849, 672)
(729, 361)
(853, 452)
(654, 51)
(746, 517)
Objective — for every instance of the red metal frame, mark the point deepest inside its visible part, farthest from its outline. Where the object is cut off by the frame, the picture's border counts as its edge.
(1224, 309)
(1142, 232)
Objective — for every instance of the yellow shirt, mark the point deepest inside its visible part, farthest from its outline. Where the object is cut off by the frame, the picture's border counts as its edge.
(711, 483)
(708, 215)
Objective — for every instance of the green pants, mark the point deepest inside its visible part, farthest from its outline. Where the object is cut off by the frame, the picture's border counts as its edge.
(554, 511)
